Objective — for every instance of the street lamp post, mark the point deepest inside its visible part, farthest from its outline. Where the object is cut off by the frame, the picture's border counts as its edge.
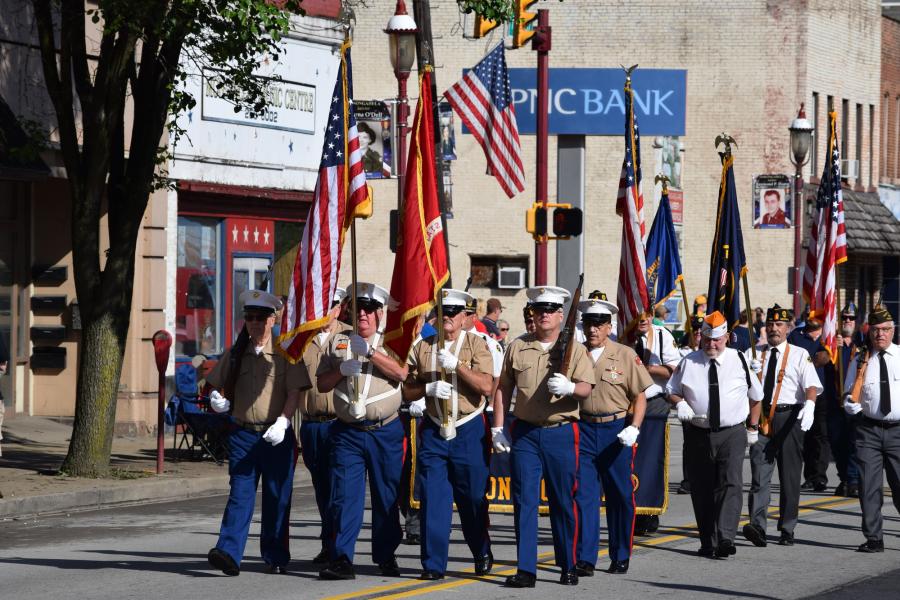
(401, 29)
(801, 137)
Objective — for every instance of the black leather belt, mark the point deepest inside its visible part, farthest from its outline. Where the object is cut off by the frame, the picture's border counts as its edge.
(552, 425)
(880, 423)
(786, 407)
(715, 429)
(256, 427)
(602, 417)
(317, 418)
(372, 425)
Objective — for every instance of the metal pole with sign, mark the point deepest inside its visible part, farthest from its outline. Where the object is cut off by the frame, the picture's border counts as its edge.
(162, 342)
(541, 43)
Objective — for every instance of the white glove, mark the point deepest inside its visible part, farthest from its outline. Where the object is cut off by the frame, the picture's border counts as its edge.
(685, 412)
(629, 435)
(806, 415)
(755, 365)
(560, 385)
(852, 408)
(752, 436)
(351, 367)
(447, 361)
(218, 402)
(275, 434)
(358, 345)
(438, 389)
(417, 408)
(501, 444)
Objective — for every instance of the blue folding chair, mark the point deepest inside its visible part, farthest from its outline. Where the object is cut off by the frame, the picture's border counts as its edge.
(199, 432)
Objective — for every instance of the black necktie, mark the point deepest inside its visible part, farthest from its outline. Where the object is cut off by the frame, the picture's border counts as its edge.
(770, 377)
(639, 347)
(714, 411)
(885, 386)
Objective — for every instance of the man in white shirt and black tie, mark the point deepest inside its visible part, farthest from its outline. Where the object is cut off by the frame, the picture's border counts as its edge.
(790, 387)
(875, 402)
(714, 391)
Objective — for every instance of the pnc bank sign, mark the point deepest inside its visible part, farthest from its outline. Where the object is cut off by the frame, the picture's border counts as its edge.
(592, 101)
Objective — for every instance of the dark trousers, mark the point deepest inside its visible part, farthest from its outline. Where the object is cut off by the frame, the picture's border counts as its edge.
(843, 447)
(816, 449)
(453, 471)
(604, 469)
(784, 448)
(551, 453)
(878, 452)
(354, 454)
(250, 458)
(315, 447)
(409, 485)
(715, 462)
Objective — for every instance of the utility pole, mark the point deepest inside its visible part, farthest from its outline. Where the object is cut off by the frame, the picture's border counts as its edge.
(541, 44)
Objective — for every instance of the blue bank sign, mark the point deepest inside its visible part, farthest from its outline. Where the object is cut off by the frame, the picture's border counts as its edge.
(591, 101)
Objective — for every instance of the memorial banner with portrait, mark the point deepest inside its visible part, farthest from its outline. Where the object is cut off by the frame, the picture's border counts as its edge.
(373, 122)
(772, 201)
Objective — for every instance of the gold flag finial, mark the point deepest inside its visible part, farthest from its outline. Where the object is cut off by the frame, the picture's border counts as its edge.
(665, 182)
(724, 138)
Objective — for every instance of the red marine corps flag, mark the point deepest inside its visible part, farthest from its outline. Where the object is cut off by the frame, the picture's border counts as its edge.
(420, 266)
(341, 195)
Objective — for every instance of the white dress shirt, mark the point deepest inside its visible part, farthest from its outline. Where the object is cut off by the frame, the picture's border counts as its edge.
(665, 353)
(870, 393)
(495, 348)
(799, 373)
(691, 381)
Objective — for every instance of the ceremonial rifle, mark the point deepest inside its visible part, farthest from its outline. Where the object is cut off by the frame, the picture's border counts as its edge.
(564, 347)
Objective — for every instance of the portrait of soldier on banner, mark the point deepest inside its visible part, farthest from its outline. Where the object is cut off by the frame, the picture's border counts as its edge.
(772, 202)
(373, 122)
(448, 133)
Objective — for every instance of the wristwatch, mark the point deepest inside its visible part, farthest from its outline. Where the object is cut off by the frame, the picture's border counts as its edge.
(370, 353)
(753, 427)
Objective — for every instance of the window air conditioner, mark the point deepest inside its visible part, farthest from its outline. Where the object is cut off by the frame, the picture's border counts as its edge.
(849, 168)
(511, 278)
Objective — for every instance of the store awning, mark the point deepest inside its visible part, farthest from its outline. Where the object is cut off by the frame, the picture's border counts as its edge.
(871, 227)
(18, 158)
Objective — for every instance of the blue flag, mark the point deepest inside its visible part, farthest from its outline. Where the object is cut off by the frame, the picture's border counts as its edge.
(728, 263)
(663, 263)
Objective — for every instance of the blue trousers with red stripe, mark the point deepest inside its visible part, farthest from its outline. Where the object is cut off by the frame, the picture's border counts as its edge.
(315, 447)
(453, 471)
(354, 454)
(551, 452)
(249, 458)
(604, 468)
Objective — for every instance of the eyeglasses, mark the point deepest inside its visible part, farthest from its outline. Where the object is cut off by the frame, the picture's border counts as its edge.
(368, 306)
(251, 317)
(848, 318)
(546, 310)
(884, 330)
(452, 311)
(504, 329)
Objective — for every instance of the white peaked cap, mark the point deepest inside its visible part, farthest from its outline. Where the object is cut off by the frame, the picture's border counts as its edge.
(451, 297)
(339, 295)
(371, 291)
(260, 300)
(595, 306)
(548, 294)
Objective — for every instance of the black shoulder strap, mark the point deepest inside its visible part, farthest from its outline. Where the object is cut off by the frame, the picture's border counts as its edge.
(746, 368)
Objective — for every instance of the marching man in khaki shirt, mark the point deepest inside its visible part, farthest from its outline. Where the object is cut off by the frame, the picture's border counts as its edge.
(544, 433)
(607, 440)
(453, 450)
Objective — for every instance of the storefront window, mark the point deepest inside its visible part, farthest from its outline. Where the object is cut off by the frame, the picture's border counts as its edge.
(198, 318)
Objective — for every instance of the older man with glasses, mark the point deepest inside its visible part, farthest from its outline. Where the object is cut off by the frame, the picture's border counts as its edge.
(874, 402)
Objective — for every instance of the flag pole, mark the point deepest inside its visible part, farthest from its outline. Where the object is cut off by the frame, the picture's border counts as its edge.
(445, 404)
(689, 328)
(840, 348)
(747, 311)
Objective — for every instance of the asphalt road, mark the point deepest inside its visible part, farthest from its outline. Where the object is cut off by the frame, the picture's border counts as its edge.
(159, 551)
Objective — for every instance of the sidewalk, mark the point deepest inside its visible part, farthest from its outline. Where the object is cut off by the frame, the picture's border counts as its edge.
(34, 448)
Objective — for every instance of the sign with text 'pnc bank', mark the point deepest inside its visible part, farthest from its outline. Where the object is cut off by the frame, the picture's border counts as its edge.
(592, 102)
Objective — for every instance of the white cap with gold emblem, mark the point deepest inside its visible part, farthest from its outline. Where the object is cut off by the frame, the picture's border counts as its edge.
(370, 291)
(595, 306)
(548, 295)
(451, 297)
(260, 300)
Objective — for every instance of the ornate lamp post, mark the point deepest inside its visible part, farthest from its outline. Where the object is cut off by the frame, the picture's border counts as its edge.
(401, 30)
(801, 138)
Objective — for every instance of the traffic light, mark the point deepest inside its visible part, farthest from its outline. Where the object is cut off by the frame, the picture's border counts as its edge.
(567, 222)
(536, 221)
(483, 27)
(521, 22)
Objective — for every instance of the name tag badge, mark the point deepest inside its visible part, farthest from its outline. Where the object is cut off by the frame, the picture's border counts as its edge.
(613, 374)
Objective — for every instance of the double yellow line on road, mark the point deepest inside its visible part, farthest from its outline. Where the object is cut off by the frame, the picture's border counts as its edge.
(383, 592)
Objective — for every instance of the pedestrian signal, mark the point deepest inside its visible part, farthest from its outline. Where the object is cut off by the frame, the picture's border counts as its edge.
(536, 221)
(567, 222)
(523, 23)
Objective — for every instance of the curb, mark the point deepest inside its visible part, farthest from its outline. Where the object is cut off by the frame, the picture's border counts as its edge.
(141, 492)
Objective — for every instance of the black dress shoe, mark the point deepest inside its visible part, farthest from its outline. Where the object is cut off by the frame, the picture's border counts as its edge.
(390, 568)
(413, 539)
(276, 570)
(618, 567)
(321, 558)
(725, 549)
(820, 486)
(841, 489)
(223, 562)
(568, 578)
(807, 486)
(755, 534)
(852, 490)
(429, 575)
(342, 568)
(786, 539)
(684, 487)
(584, 568)
(706, 552)
(871, 546)
(522, 579)
(484, 564)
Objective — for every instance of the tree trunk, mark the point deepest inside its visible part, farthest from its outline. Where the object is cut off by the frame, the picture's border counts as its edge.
(100, 357)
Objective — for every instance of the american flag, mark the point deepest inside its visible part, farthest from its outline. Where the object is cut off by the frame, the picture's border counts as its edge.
(827, 244)
(341, 194)
(631, 297)
(483, 100)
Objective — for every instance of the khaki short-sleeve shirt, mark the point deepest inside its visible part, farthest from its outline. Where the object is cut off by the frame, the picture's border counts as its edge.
(527, 366)
(621, 377)
(262, 384)
(378, 383)
(312, 401)
(473, 354)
